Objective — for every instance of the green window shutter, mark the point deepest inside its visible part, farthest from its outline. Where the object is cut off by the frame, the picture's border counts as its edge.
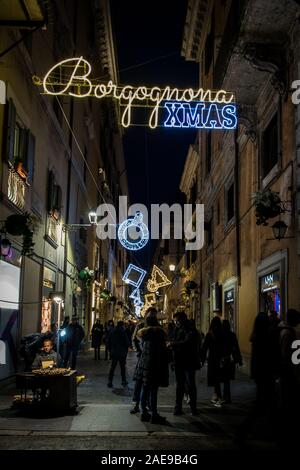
(30, 156)
(10, 131)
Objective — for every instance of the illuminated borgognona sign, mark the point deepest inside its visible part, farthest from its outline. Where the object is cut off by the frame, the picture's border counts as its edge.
(169, 107)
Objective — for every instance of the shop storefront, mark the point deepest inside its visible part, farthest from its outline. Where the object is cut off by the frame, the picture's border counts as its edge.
(9, 315)
(272, 283)
(230, 302)
(229, 307)
(49, 282)
(270, 297)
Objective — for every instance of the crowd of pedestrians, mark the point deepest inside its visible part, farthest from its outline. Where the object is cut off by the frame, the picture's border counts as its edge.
(182, 349)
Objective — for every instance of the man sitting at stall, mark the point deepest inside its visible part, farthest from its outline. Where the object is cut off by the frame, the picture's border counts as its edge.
(47, 357)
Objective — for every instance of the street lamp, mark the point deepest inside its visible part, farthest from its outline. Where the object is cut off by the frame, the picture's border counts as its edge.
(279, 229)
(93, 217)
(72, 227)
(58, 298)
(172, 267)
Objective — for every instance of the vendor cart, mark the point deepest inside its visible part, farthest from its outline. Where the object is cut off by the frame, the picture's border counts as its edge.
(57, 393)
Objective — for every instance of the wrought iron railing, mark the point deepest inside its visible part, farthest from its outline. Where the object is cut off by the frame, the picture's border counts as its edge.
(16, 189)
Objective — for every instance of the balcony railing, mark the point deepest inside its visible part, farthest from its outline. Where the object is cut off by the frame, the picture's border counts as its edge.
(16, 189)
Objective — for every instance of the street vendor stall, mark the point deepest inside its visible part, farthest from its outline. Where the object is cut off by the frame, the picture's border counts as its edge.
(54, 389)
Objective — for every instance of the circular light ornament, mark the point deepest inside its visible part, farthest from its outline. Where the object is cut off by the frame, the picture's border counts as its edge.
(137, 223)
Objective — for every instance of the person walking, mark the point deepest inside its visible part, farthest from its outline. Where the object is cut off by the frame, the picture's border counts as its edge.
(186, 353)
(213, 351)
(138, 383)
(232, 356)
(74, 337)
(118, 344)
(152, 368)
(97, 334)
(262, 373)
(109, 328)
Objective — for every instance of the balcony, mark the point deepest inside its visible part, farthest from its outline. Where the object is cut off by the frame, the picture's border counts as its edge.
(16, 189)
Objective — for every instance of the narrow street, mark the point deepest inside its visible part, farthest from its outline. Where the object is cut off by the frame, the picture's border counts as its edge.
(103, 420)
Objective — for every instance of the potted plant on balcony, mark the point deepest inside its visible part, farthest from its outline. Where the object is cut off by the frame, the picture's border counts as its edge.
(22, 225)
(267, 206)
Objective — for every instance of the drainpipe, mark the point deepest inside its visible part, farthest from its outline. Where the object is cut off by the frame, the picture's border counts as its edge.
(237, 206)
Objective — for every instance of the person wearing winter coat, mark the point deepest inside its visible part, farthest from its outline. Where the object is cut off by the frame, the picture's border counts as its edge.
(186, 354)
(232, 357)
(97, 333)
(118, 344)
(107, 330)
(213, 351)
(74, 336)
(138, 384)
(152, 368)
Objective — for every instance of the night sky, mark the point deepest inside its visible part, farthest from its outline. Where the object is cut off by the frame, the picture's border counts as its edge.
(152, 30)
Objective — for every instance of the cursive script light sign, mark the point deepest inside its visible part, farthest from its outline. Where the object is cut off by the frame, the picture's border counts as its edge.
(207, 109)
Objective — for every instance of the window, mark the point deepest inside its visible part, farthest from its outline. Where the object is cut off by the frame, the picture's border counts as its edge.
(218, 213)
(230, 203)
(209, 45)
(57, 108)
(54, 196)
(82, 232)
(85, 164)
(270, 147)
(208, 153)
(209, 233)
(20, 144)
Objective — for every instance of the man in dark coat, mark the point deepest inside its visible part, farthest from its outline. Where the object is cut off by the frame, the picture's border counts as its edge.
(186, 347)
(97, 333)
(74, 336)
(118, 344)
(152, 368)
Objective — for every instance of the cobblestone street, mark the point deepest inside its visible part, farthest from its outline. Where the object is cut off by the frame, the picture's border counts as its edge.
(103, 420)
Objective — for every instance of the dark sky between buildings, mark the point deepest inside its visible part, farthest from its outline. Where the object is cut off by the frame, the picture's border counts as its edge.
(148, 36)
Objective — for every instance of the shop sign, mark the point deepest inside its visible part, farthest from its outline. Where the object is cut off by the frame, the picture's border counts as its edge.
(270, 282)
(170, 107)
(229, 296)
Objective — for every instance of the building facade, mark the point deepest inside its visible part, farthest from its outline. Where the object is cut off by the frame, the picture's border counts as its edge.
(247, 179)
(61, 158)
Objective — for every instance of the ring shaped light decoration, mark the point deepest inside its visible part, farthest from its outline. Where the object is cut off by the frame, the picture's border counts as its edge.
(136, 221)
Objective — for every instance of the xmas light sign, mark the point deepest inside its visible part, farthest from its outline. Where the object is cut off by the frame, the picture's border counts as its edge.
(169, 107)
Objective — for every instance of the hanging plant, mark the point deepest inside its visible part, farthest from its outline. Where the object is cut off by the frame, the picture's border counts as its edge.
(267, 206)
(183, 272)
(86, 276)
(105, 294)
(22, 225)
